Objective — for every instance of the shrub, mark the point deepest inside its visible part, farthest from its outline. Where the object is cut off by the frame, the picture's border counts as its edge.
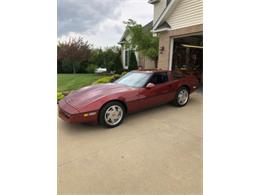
(115, 77)
(104, 80)
(109, 79)
(60, 96)
(123, 73)
(91, 68)
(132, 62)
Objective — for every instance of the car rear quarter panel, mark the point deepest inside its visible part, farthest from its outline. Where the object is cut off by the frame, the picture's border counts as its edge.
(190, 81)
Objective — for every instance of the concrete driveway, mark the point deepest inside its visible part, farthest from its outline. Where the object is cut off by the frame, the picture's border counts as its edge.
(158, 151)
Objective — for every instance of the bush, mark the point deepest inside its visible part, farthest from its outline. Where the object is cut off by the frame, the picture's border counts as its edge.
(109, 79)
(132, 62)
(60, 96)
(91, 68)
(104, 80)
(123, 73)
(115, 77)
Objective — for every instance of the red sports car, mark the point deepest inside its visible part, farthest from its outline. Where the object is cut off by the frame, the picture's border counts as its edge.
(108, 104)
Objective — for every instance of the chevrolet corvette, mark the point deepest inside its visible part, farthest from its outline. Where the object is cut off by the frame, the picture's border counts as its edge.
(108, 104)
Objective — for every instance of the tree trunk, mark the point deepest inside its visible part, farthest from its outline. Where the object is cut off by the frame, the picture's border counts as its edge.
(156, 62)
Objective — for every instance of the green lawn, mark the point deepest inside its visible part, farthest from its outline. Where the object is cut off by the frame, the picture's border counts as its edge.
(68, 82)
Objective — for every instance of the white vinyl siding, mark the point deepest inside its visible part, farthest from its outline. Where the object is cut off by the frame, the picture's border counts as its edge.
(158, 9)
(187, 13)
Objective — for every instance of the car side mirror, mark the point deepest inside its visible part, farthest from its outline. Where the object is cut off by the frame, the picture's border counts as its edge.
(150, 86)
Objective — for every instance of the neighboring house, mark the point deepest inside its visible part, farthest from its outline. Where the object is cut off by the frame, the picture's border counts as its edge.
(142, 61)
(179, 26)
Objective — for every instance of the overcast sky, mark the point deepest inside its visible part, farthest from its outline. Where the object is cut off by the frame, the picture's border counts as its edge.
(100, 21)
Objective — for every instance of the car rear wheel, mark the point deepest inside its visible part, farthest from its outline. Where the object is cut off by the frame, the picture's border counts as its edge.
(112, 114)
(182, 97)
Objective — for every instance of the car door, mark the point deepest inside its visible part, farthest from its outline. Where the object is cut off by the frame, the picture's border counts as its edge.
(159, 94)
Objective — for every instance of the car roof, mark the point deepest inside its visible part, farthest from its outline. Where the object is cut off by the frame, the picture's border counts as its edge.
(150, 70)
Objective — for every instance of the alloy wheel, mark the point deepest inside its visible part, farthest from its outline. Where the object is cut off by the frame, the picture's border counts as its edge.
(113, 115)
(183, 97)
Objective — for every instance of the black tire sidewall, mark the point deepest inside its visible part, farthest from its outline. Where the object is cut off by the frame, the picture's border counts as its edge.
(102, 120)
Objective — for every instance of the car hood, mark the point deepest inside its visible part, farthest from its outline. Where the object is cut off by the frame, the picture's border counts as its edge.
(89, 94)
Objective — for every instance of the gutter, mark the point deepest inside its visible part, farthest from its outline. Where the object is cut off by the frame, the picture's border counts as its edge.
(160, 30)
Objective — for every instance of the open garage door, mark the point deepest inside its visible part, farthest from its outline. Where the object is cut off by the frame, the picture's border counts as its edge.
(187, 55)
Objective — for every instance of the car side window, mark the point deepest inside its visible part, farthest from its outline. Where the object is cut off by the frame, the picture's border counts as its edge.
(159, 78)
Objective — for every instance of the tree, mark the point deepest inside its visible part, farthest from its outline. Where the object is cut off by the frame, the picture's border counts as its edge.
(96, 57)
(59, 66)
(142, 40)
(112, 59)
(73, 53)
(132, 61)
(91, 68)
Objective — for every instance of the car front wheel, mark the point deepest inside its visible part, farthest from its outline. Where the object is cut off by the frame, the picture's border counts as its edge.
(112, 114)
(182, 97)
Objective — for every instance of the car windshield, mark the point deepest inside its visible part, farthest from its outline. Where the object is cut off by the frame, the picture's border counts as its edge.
(134, 79)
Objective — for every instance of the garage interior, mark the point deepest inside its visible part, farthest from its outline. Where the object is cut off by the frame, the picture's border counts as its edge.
(188, 56)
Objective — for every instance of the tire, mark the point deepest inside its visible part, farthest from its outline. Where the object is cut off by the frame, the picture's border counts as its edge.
(112, 114)
(182, 97)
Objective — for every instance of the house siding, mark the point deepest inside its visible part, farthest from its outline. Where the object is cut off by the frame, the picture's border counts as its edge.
(164, 41)
(187, 13)
(158, 9)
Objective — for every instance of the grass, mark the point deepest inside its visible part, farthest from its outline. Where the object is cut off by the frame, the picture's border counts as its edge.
(68, 82)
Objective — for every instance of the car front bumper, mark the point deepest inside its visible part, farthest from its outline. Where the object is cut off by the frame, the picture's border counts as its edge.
(72, 115)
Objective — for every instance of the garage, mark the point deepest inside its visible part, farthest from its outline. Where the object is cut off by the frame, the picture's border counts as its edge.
(179, 26)
(187, 55)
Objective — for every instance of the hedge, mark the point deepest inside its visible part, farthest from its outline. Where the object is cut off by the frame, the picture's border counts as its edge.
(59, 95)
